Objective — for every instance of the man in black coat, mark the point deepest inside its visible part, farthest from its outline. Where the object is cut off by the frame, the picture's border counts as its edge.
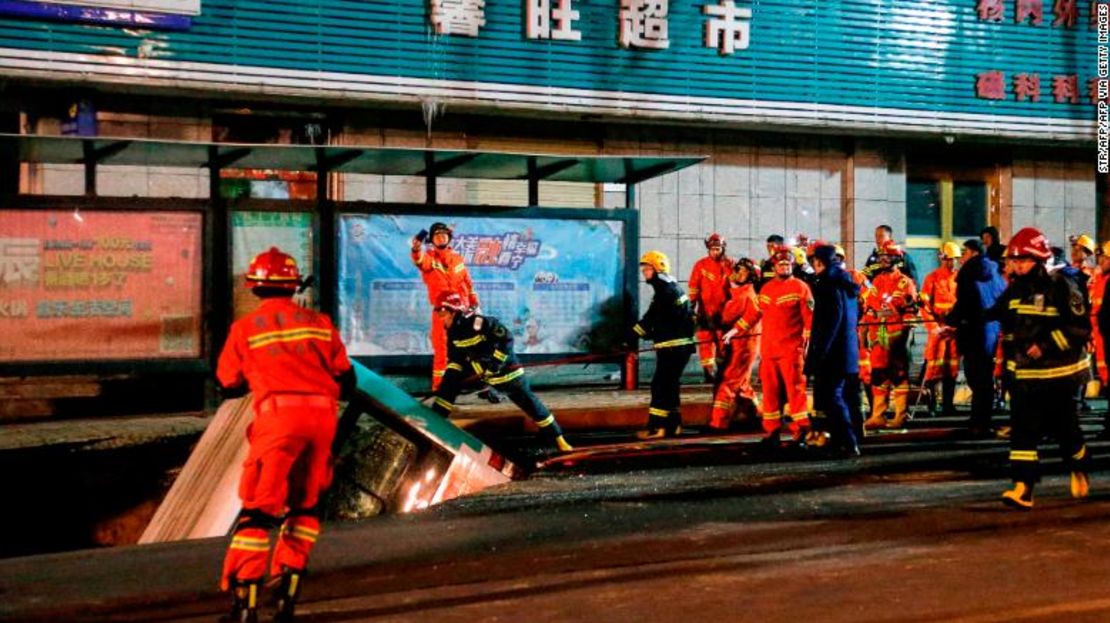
(833, 355)
(978, 286)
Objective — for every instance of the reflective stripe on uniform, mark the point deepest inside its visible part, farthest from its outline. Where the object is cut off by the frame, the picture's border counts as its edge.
(446, 405)
(505, 378)
(1054, 373)
(1023, 455)
(1024, 309)
(547, 421)
(453, 366)
(473, 341)
(500, 356)
(1058, 337)
(639, 330)
(655, 412)
(304, 533)
(250, 544)
(288, 335)
(1078, 456)
(680, 300)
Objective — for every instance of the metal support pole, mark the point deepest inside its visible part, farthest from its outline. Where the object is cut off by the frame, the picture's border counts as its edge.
(533, 184)
(217, 268)
(88, 150)
(630, 371)
(429, 178)
(325, 272)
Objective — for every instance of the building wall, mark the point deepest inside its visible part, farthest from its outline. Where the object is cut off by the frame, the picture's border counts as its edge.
(1056, 197)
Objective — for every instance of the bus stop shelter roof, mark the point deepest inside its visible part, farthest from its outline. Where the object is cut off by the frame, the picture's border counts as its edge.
(343, 159)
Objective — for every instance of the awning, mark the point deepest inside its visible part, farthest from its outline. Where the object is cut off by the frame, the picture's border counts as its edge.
(106, 151)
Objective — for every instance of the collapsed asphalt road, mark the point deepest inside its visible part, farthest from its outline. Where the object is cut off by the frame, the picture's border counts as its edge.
(909, 532)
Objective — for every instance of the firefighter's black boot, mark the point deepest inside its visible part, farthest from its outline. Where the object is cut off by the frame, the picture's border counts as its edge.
(244, 603)
(948, 396)
(288, 591)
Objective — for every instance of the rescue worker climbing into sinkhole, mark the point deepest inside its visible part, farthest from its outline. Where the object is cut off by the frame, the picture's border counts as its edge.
(481, 348)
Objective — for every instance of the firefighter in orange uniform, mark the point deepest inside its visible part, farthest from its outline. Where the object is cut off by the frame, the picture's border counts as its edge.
(444, 273)
(708, 292)
(1096, 290)
(294, 363)
(740, 345)
(786, 306)
(890, 303)
(938, 295)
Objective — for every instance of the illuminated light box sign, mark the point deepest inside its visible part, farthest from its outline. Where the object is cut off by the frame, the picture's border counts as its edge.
(555, 283)
(157, 14)
(99, 285)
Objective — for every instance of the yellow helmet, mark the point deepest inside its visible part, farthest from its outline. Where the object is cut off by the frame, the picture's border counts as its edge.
(1086, 242)
(950, 250)
(799, 255)
(657, 260)
(839, 250)
(1105, 248)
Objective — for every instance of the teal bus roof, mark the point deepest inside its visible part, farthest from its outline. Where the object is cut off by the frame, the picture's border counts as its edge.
(107, 151)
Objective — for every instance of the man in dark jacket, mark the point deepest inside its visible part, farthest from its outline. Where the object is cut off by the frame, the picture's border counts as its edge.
(833, 355)
(978, 286)
(884, 233)
(669, 324)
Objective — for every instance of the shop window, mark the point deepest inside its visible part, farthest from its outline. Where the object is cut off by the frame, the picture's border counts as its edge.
(938, 209)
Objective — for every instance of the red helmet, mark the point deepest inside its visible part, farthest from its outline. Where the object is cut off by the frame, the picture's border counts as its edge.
(715, 240)
(782, 254)
(811, 248)
(1029, 242)
(753, 272)
(274, 269)
(452, 301)
(891, 248)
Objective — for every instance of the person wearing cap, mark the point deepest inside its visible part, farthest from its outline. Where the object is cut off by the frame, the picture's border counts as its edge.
(740, 345)
(892, 301)
(786, 307)
(708, 293)
(294, 363)
(993, 248)
(767, 267)
(481, 348)
(979, 284)
(444, 272)
(1045, 320)
(938, 295)
(833, 354)
(669, 324)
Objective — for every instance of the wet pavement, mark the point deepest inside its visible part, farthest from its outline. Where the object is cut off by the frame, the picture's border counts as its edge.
(911, 531)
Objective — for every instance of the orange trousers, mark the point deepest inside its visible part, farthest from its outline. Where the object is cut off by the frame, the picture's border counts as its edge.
(783, 376)
(439, 351)
(287, 469)
(707, 346)
(941, 358)
(736, 380)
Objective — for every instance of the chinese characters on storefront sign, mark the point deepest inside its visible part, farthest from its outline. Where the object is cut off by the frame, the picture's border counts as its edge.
(643, 24)
(1027, 86)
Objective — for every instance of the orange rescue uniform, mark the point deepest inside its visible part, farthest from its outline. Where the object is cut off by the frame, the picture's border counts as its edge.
(742, 313)
(444, 272)
(290, 357)
(938, 295)
(708, 292)
(1097, 290)
(889, 304)
(786, 306)
(864, 354)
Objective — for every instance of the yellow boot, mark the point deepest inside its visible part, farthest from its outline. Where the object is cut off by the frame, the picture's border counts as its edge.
(1080, 485)
(1020, 497)
(900, 403)
(879, 401)
(562, 444)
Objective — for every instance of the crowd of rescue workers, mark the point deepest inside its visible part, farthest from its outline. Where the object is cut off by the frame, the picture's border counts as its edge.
(1026, 321)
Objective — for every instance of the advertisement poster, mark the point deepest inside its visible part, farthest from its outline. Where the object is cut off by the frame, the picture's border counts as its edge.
(556, 283)
(255, 232)
(99, 285)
